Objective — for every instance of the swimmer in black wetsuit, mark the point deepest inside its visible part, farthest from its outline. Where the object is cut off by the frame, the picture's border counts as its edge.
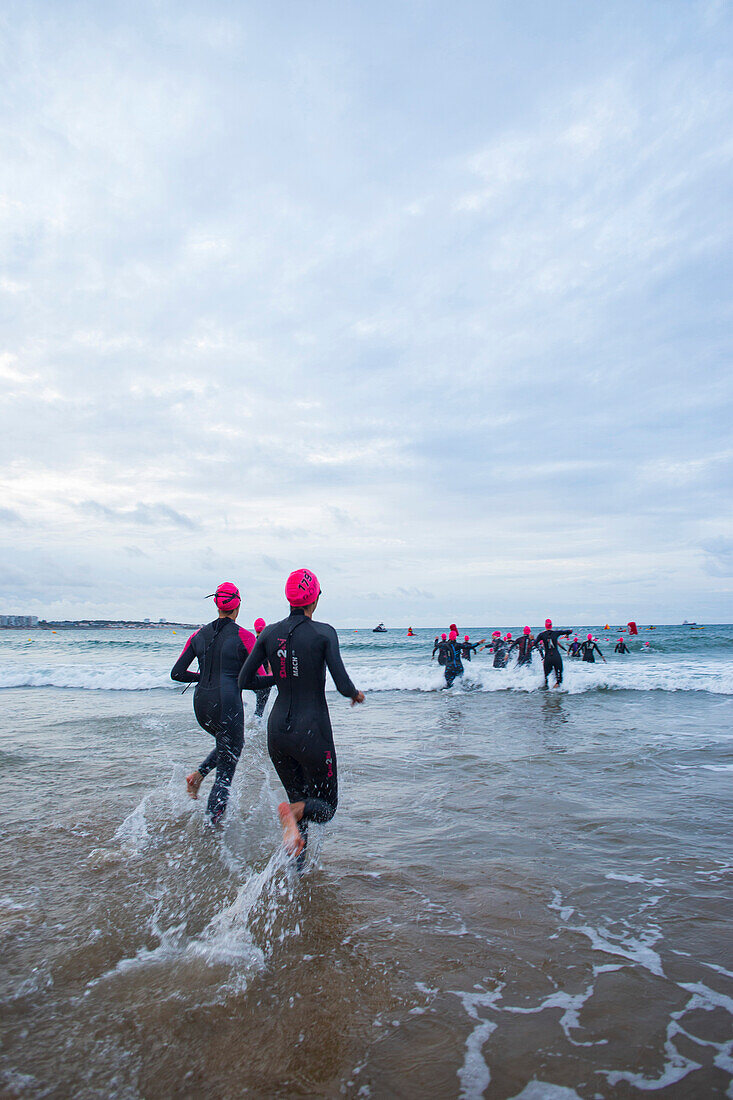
(498, 646)
(441, 648)
(621, 646)
(263, 695)
(299, 736)
(466, 647)
(453, 663)
(551, 659)
(525, 645)
(574, 648)
(221, 649)
(587, 649)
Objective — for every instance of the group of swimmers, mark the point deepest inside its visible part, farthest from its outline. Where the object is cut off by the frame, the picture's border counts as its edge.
(291, 655)
(452, 652)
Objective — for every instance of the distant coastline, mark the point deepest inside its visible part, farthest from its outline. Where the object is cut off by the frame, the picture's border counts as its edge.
(94, 624)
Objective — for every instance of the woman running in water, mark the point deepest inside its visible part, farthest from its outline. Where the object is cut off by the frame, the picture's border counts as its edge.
(299, 735)
(498, 648)
(221, 649)
(467, 647)
(525, 645)
(453, 664)
(588, 647)
(552, 661)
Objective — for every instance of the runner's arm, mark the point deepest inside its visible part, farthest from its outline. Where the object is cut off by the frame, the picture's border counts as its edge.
(180, 672)
(248, 679)
(336, 666)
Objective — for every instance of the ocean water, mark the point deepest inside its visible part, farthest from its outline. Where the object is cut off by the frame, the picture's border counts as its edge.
(523, 893)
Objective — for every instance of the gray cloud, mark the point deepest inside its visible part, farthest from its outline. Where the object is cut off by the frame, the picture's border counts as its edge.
(719, 555)
(149, 515)
(11, 517)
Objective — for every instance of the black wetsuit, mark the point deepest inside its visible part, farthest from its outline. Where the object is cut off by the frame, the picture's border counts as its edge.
(221, 648)
(587, 649)
(525, 645)
(262, 696)
(466, 648)
(551, 659)
(574, 650)
(621, 647)
(444, 652)
(453, 664)
(299, 736)
(500, 653)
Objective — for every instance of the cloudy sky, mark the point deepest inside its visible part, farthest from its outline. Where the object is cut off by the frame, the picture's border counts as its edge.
(433, 297)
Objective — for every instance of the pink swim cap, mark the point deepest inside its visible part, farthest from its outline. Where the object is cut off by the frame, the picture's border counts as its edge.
(444, 637)
(227, 597)
(548, 624)
(259, 625)
(453, 636)
(508, 636)
(590, 637)
(496, 634)
(302, 588)
(465, 637)
(527, 630)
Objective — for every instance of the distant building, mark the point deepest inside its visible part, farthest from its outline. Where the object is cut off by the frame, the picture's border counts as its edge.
(19, 620)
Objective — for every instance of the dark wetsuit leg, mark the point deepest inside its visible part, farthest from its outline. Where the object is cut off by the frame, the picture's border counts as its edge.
(228, 751)
(306, 765)
(221, 714)
(261, 698)
(553, 663)
(209, 763)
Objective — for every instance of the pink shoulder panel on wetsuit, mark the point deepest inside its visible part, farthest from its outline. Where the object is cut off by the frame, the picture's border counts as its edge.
(187, 644)
(248, 641)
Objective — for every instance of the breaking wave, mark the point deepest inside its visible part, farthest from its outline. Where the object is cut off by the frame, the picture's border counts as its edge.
(644, 674)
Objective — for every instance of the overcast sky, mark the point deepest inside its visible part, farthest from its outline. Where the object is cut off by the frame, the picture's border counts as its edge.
(431, 297)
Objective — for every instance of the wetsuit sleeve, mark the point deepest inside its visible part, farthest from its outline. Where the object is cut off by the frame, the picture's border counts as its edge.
(248, 680)
(180, 671)
(336, 666)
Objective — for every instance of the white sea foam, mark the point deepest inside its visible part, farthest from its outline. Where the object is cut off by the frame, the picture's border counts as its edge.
(474, 1074)
(542, 1090)
(636, 879)
(226, 938)
(658, 675)
(666, 673)
(85, 677)
(133, 832)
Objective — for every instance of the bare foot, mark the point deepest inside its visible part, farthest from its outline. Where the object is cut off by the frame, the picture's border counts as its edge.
(193, 782)
(292, 840)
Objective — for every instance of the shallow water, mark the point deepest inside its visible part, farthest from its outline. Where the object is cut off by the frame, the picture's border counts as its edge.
(523, 893)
